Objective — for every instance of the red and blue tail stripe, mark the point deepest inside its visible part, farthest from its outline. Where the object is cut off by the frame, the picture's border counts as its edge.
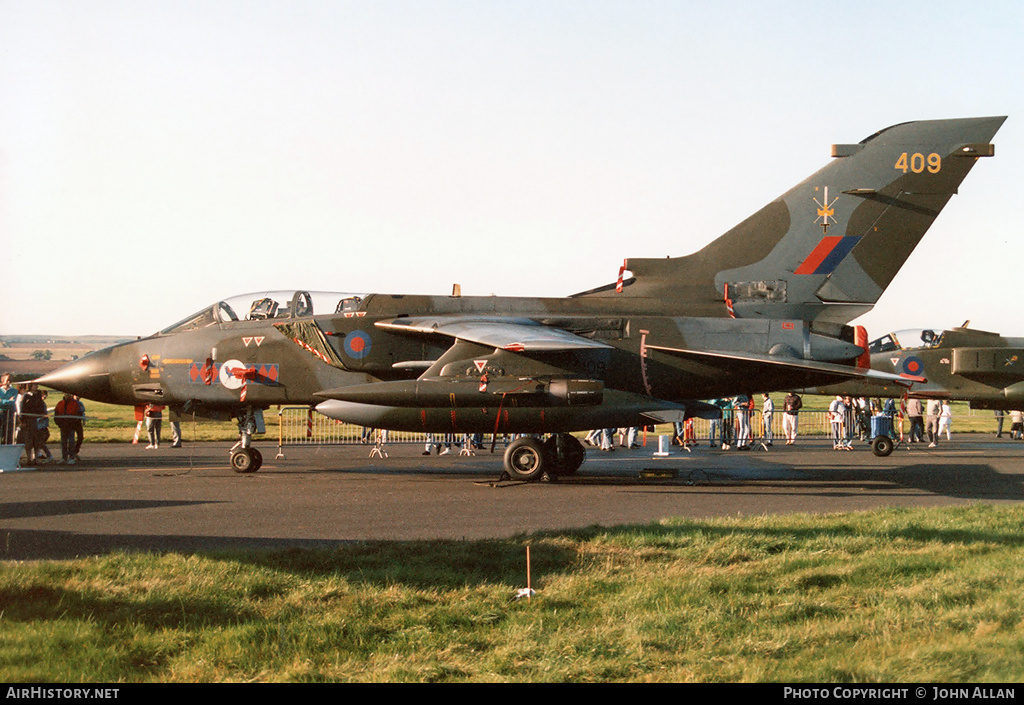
(827, 255)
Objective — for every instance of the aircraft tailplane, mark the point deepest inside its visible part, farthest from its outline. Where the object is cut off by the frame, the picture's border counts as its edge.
(827, 248)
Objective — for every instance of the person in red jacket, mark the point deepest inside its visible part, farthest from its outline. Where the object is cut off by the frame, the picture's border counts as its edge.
(68, 415)
(154, 420)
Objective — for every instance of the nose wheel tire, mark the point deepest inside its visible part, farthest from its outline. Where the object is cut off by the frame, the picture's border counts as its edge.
(246, 460)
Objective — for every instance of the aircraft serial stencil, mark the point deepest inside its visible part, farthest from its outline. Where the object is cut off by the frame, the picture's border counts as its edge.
(764, 307)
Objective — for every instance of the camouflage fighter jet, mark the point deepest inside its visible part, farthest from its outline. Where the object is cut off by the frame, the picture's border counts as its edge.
(960, 364)
(764, 307)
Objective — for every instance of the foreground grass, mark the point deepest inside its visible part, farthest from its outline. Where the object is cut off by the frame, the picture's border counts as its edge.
(890, 595)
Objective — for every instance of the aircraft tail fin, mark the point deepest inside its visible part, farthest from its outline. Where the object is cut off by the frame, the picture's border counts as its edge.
(827, 248)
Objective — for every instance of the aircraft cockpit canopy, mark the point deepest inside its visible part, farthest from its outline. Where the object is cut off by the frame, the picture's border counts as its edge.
(268, 305)
(910, 339)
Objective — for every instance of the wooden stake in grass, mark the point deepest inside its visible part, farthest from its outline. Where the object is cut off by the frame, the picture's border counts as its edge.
(529, 586)
(527, 591)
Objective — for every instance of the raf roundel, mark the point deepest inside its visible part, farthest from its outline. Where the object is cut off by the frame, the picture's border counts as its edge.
(357, 344)
(913, 366)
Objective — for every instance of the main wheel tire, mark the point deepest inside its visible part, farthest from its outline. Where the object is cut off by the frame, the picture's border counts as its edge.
(882, 446)
(526, 459)
(246, 460)
(566, 452)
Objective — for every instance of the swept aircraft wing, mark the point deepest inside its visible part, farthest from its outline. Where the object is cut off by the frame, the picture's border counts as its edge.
(769, 363)
(511, 334)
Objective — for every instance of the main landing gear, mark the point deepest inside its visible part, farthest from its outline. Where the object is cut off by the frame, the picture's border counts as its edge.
(245, 458)
(530, 458)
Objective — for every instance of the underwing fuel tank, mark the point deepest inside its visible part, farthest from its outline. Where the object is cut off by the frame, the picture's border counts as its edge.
(516, 415)
(474, 392)
(1015, 392)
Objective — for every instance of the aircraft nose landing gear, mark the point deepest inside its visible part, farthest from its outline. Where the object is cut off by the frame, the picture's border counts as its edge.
(245, 458)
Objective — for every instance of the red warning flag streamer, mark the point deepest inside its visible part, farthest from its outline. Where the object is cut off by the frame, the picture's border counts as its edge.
(245, 374)
(207, 372)
(728, 303)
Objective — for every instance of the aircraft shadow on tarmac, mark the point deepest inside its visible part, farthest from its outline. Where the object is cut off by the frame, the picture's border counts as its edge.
(913, 477)
(969, 481)
(977, 479)
(65, 507)
(951, 475)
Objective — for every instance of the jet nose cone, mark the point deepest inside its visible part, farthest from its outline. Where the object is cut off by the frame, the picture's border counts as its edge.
(88, 378)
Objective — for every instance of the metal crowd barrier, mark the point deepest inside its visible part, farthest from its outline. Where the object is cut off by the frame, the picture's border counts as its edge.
(303, 426)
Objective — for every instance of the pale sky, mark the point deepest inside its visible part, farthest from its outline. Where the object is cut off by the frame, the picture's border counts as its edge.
(158, 156)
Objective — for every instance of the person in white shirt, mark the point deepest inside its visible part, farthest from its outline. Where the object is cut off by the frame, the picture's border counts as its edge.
(946, 420)
(767, 412)
(837, 415)
(934, 410)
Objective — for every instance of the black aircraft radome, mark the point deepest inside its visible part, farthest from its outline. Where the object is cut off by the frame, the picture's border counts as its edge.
(764, 307)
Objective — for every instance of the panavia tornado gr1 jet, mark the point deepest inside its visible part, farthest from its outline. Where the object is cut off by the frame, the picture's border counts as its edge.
(960, 364)
(764, 307)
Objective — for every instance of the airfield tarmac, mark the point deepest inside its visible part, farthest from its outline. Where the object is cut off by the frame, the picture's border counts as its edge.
(126, 497)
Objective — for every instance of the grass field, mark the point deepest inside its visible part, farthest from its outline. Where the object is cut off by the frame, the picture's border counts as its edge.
(885, 596)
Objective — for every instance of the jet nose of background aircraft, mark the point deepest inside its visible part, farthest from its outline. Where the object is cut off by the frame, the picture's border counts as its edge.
(88, 378)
